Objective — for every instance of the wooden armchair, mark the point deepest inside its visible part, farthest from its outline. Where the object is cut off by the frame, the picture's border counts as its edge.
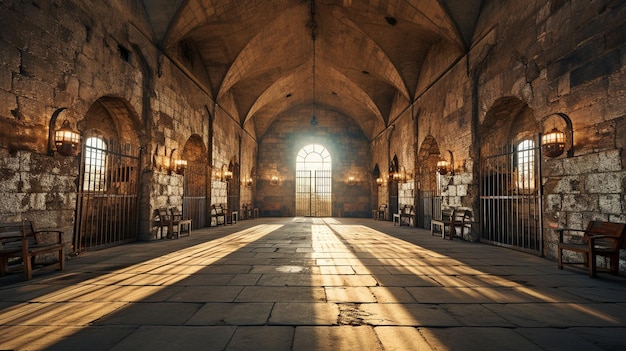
(381, 213)
(452, 219)
(179, 225)
(599, 239)
(407, 215)
(21, 243)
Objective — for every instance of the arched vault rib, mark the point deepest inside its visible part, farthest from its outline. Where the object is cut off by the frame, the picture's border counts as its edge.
(335, 92)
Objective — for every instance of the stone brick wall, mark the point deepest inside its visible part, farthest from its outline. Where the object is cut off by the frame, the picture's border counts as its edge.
(38, 188)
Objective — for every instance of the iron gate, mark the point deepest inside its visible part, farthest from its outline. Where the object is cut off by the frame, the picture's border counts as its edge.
(313, 193)
(429, 208)
(510, 196)
(107, 195)
(195, 195)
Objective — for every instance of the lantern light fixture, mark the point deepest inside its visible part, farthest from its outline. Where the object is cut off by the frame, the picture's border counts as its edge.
(351, 181)
(64, 140)
(443, 166)
(227, 175)
(555, 142)
(399, 175)
(180, 166)
(274, 180)
(379, 181)
(177, 166)
(248, 182)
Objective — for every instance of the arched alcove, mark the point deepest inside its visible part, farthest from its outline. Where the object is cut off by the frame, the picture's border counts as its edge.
(107, 199)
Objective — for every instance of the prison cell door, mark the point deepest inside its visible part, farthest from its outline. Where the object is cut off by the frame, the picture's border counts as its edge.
(510, 196)
(429, 208)
(313, 193)
(195, 194)
(107, 195)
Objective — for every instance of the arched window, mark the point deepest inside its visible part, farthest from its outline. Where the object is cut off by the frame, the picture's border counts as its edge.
(526, 165)
(313, 181)
(95, 165)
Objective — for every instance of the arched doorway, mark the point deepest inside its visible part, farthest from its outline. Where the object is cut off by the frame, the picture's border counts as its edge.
(108, 187)
(510, 195)
(195, 182)
(313, 181)
(427, 183)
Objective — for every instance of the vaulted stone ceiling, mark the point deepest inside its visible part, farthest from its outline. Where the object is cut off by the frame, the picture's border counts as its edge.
(260, 62)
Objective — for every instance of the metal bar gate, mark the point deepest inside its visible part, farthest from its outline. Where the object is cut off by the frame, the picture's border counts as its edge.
(107, 196)
(510, 196)
(313, 193)
(195, 195)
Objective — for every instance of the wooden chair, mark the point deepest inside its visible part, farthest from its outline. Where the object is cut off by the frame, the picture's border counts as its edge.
(19, 241)
(452, 218)
(599, 239)
(441, 223)
(407, 215)
(218, 213)
(381, 212)
(179, 225)
(164, 221)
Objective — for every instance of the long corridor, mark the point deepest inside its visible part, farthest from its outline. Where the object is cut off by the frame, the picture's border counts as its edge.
(312, 284)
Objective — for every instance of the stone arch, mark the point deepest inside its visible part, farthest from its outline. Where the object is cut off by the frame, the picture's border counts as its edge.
(427, 158)
(109, 175)
(507, 121)
(509, 176)
(114, 119)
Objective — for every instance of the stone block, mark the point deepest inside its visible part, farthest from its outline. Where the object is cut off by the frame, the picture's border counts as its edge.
(610, 204)
(554, 202)
(461, 190)
(568, 185)
(601, 66)
(604, 183)
(580, 203)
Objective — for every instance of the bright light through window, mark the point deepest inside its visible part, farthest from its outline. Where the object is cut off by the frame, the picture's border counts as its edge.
(95, 165)
(526, 165)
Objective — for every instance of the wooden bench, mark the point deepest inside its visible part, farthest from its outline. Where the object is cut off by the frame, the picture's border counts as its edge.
(20, 244)
(599, 239)
(179, 225)
(451, 218)
(217, 212)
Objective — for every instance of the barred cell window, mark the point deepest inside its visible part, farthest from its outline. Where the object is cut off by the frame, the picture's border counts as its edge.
(95, 165)
(526, 165)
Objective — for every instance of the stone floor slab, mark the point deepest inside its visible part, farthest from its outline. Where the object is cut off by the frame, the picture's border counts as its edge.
(261, 338)
(402, 339)
(232, 314)
(304, 314)
(281, 294)
(344, 338)
(150, 338)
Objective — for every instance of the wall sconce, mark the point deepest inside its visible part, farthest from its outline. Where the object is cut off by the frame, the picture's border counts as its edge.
(351, 181)
(227, 176)
(248, 182)
(274, 180)
(399, 175)
(180, 166)
(177, 166)
(379, 181)
(443, 166)
(66, 139)
(553, 142)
